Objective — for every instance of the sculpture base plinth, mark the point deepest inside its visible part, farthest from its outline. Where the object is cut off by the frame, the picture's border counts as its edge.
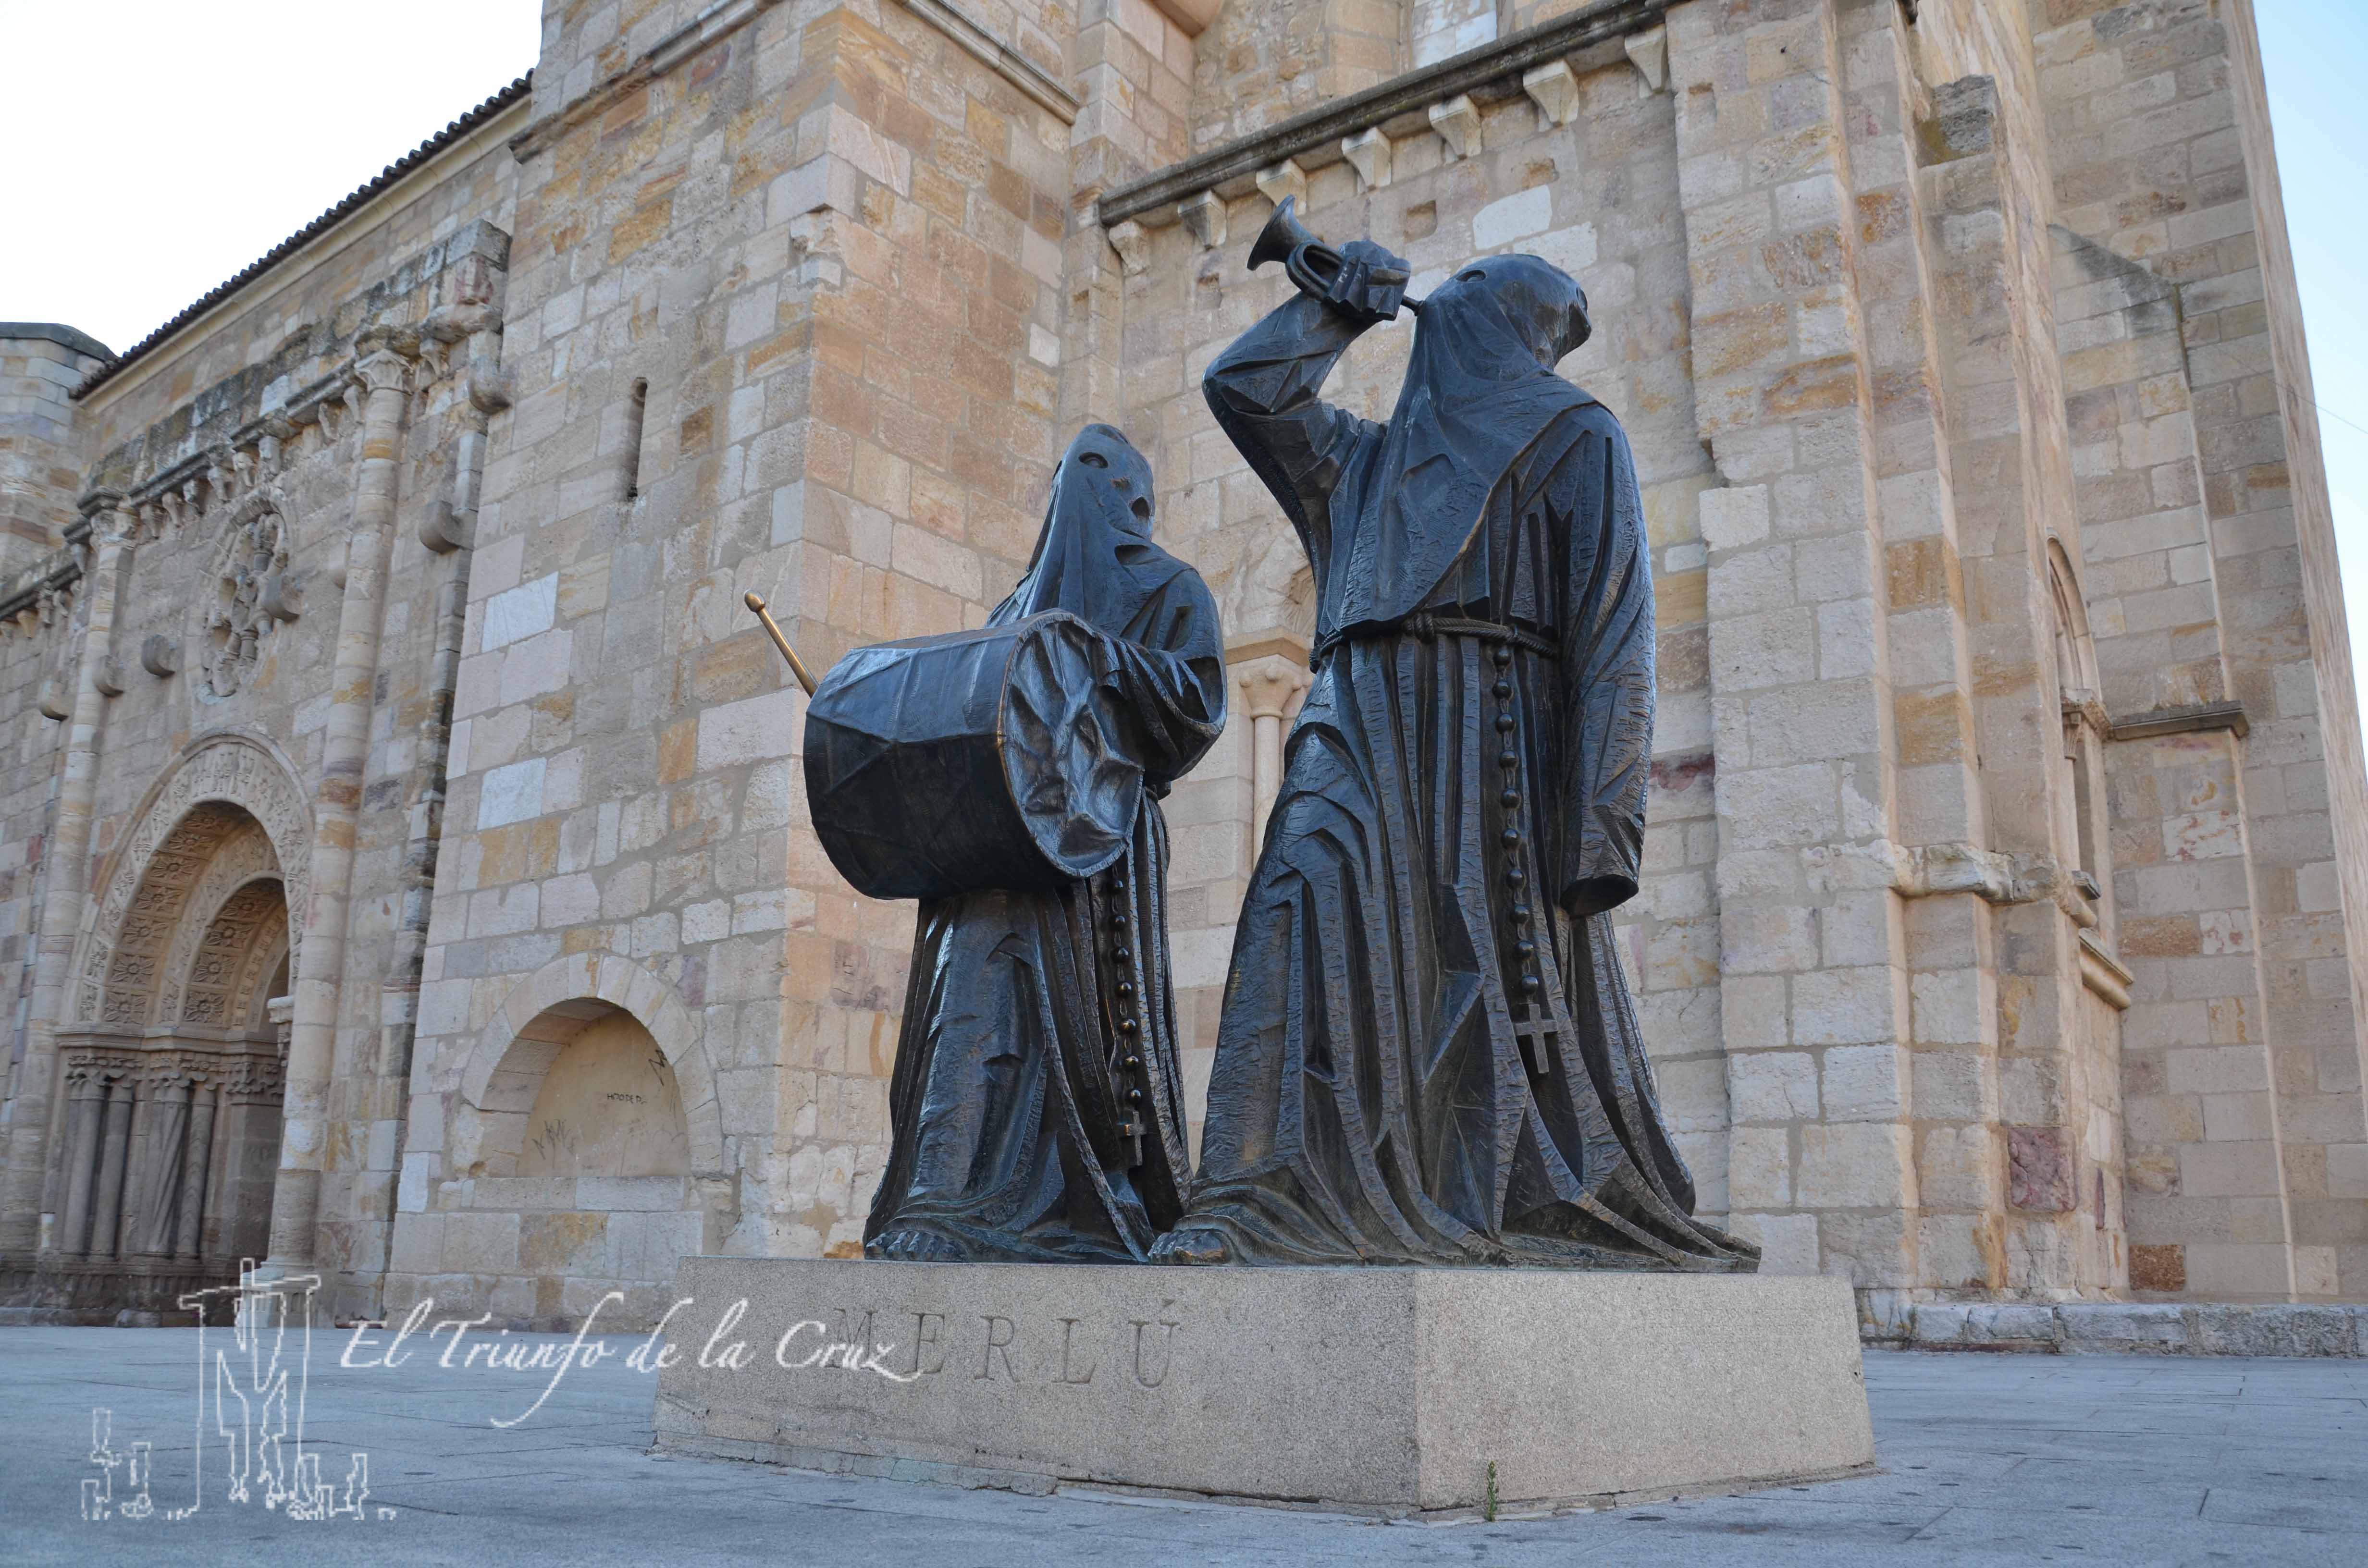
(1384, 1390)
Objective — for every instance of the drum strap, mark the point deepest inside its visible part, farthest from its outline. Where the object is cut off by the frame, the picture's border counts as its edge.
(1427, 626)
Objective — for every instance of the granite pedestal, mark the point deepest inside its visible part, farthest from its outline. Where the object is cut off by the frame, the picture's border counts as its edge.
(1386, 1389)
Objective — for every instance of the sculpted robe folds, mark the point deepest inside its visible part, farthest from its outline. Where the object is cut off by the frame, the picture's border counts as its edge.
(1428, 1052)
(1036, 1100)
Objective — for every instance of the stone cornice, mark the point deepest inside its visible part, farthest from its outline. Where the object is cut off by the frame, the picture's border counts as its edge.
(1399, 107)
(718, 21)
(59, 334)
(998, 56)
(2103, 973)
(58, 570)
(2230, 716)
(1285, 644)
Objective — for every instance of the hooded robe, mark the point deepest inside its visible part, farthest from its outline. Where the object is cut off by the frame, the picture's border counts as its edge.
(1428, 1053)
(1036, 1103)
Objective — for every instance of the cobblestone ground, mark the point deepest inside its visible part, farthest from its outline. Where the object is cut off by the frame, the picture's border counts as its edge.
(1985, 1459)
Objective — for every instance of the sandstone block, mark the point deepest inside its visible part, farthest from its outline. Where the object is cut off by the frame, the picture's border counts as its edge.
(2119, 1326)
(2277, 1329)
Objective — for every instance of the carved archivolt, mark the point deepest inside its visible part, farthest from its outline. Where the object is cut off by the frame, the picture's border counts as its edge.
(240, 857)
(241, 945)
(197, 834)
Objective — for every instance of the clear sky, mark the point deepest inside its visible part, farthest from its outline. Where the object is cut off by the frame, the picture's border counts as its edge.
(2315, 53)
(149, 149)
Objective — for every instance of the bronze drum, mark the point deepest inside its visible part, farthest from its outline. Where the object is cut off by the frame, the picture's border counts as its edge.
(979, 759)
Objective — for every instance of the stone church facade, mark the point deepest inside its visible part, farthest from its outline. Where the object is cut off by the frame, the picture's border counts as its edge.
(405, 872)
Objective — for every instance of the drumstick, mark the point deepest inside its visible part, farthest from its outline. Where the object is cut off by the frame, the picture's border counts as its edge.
(797, 665)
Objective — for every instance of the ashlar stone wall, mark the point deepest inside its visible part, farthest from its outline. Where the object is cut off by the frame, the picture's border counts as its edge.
(2007, 845)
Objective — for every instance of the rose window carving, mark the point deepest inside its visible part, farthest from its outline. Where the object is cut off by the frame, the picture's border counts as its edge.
(248, 574)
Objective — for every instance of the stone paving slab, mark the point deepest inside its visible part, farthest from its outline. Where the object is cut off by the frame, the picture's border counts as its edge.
(1987, 1458)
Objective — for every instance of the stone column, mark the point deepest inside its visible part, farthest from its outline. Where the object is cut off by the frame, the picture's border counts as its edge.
(189, 1232)
(82, 1162)
(382, 365)
(161, 1167)
(113, 1151)
(28, 1205)
(138, 1167)
(1271, 687)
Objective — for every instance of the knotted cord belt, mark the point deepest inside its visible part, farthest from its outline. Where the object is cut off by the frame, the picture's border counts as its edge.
(1427, 626)
(1538, 1015)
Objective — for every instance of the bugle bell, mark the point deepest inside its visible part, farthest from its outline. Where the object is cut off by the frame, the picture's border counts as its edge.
(1311, 264)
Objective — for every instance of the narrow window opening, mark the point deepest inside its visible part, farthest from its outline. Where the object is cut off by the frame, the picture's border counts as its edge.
(634, 406)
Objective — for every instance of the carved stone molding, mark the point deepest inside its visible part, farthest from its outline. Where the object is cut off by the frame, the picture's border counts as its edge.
(245, 595)
(1401, 106)
(228, 945)
(1285, 179)
(1133, 247)
(1270, 685)
(166, 852)
(1649, 52)
(380, 363)
(1368, 152)
(2228, 716)
(1458, 123)
(1205, 215)
(245, 1071)
(1554, 89)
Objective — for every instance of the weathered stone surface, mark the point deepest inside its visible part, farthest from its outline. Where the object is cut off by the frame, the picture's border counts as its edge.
(1384, 1389)
(2114, 1326)
(2277, 1329)
(2262, 1328)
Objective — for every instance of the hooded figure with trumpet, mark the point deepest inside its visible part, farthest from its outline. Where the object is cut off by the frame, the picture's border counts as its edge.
(1428, 1053)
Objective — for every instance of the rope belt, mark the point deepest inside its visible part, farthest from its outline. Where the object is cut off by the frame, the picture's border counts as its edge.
(1427, 626)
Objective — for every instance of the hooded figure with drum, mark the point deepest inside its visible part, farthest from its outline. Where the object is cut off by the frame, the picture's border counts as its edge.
(1010, 778)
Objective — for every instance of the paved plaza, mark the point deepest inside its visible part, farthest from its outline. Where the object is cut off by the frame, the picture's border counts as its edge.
(1985, 1459)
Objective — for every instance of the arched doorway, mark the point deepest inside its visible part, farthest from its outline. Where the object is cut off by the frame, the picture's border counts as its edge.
(173, 1078)
(579, 1174)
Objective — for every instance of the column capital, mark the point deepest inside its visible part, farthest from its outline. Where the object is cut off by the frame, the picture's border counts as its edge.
(383, 357)
(1269, 682)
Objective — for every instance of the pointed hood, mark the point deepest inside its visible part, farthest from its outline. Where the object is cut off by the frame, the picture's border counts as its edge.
(1095, 558)
(1479, 390)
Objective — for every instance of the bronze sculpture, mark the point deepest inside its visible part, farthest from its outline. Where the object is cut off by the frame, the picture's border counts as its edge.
(1010, 778)
(1429, 1054)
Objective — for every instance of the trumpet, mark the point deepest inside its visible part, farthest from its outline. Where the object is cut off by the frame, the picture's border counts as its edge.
(1310, 263)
